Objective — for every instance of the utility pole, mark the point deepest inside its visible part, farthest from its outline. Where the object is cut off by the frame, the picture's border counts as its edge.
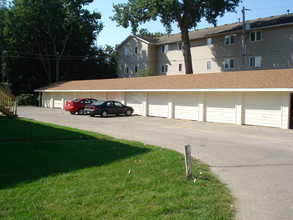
(244, 45)
(243, 40)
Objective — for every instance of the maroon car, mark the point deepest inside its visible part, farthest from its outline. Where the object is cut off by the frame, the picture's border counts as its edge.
(78, 105)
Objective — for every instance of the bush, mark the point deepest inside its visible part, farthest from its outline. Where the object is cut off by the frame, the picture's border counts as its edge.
(145, 72)
(27, 99)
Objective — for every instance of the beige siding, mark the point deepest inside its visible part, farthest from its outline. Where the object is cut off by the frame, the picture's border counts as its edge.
(139, 59)
(275, 50)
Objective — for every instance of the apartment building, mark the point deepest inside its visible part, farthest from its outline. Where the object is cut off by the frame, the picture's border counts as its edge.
(269, 45)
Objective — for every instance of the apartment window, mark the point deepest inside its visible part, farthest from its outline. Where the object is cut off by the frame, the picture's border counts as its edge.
(180, 67)
(127, 70)
(255, 36)
(135, 69)
(209, 65)
(126, 51)
(164, 68)
(229, 63)
(179, 45)
(255, 61)
(209, 42)
(165, 48)
(229, 39)
(136, 50)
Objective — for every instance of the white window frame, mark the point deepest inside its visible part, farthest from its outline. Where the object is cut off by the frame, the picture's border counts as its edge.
(136, 49)
(228, 62)
(179, 45)
(209, 65)
(180, 67)
(164, 68)
(209, 41)
(255, 34)
(127, 51)
(165, 48)
(126, 70)
(255, 61)
(228, 39)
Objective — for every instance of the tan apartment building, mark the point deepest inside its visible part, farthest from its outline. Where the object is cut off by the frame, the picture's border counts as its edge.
(269, 45)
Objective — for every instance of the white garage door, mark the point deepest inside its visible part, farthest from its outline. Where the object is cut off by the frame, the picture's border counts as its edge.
(135, 100)
(47, 100)
(99, 95)
(262, 109)
(114, 96)
(158, 104)
(57, 97)
(83, 95)
(220, 108)
(68, 96)
(186, 106)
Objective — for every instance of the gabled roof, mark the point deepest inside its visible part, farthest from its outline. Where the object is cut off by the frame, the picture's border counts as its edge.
(272, 21)
(258, 80)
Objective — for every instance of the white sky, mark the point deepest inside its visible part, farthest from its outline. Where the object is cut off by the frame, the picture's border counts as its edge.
(112, 35)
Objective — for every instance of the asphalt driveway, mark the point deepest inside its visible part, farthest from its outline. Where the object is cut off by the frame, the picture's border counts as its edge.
(255, 162)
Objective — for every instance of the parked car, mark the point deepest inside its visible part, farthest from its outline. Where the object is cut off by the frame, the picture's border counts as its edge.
(78, 105)
(105, 108)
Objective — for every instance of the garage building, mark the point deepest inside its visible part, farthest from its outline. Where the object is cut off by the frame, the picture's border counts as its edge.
(262, 97)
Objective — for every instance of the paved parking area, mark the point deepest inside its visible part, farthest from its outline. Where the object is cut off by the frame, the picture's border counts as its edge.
(255, 162)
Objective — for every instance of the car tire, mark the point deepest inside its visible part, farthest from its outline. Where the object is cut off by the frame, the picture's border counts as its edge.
(72, 113)
(92, 115)
(80, 111)
(104, 114)
(128, 112)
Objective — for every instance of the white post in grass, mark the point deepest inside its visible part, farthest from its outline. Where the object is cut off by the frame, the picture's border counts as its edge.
(188, 161)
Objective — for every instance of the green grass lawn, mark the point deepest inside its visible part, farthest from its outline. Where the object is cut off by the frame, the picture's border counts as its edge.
(53, 172)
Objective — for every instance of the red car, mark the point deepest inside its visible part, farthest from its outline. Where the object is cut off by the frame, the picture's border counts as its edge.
(78, 105)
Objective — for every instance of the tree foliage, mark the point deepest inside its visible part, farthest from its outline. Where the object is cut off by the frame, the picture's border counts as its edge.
(185, 13)
(145, 32)
(51, 40)
(145, 72)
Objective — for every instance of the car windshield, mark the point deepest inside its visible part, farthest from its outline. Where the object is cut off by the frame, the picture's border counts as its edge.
(98, 102)
(75, 100)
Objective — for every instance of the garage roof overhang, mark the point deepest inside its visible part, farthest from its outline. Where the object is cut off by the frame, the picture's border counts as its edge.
(180, 90)
(278, 80)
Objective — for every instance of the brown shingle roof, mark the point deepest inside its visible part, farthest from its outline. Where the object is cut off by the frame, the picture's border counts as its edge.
(228, 28)
(271, 79)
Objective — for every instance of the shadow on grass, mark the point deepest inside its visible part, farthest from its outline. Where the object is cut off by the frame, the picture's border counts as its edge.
(37, 150)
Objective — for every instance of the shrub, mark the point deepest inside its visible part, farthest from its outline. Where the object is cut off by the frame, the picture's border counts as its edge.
(145, 72)
(27, 99)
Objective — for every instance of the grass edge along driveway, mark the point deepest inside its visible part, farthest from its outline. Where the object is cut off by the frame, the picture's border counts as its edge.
(48, 172)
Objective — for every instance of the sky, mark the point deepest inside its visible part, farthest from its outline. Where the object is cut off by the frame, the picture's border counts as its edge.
(113, 35)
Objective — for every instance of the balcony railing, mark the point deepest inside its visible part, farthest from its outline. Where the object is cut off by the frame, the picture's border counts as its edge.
(8, 104)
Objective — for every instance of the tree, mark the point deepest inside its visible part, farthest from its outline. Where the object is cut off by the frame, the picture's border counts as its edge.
(50, 30)
(186, 13)
(146, 33)
(3, 4)
(145, 72)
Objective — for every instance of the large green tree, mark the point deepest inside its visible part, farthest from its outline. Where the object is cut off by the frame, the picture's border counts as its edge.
(49, 28)
(186, 13)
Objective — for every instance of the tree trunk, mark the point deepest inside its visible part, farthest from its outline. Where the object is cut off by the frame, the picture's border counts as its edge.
(58, 68)
(186, 50)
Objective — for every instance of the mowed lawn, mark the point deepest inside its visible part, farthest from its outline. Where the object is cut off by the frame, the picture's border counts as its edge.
(53, 172)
